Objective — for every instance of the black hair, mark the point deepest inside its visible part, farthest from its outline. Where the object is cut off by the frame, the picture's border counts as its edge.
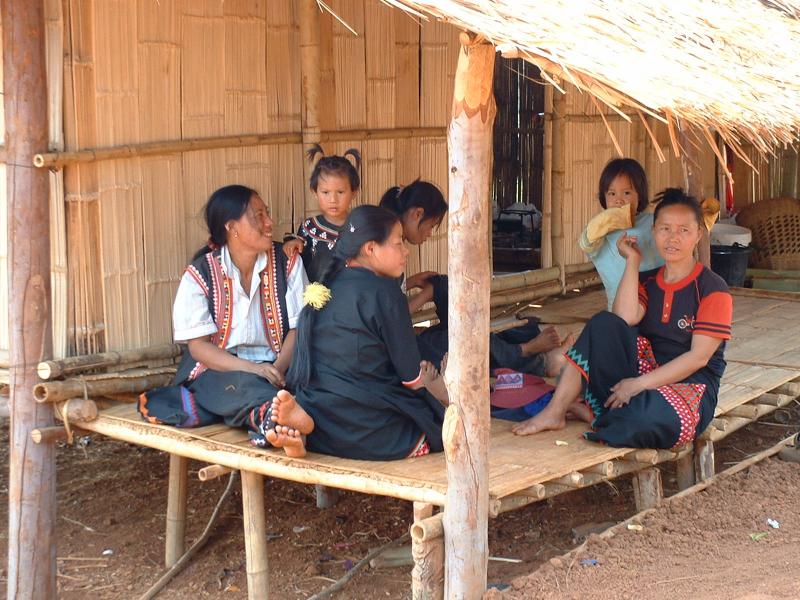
(364, 224)
(418, 193)
(633, 171)
(334, 165)
(228, 203)
(677, 197)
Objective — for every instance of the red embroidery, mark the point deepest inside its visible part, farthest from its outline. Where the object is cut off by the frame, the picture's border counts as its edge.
(421, 448)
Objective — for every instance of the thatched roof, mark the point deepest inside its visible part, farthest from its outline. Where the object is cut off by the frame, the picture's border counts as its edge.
(726, 65)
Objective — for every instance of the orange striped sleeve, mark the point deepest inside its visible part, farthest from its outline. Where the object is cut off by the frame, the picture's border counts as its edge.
(715, 315)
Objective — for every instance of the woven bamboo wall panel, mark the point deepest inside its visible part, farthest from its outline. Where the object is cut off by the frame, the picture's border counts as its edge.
(148, 71)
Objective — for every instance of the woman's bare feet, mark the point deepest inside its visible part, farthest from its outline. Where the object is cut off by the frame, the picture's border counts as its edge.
(545, 420)
(286, 411)
(433, 381)
(580, 411)
(555, 360)
(544, 342)
(289, 439)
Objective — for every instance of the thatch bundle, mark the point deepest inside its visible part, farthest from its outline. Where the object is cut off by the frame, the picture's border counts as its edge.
(724, 65)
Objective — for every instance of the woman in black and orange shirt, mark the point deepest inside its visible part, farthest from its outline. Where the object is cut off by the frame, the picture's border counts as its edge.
(647, 374)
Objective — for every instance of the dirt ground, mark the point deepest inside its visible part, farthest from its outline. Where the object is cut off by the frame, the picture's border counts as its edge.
(112, 502)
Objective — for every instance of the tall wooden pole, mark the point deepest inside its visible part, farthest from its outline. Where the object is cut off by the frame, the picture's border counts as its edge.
(32, 476)
(466, 428)
(557, 181)
(693, 184)
(310, 83)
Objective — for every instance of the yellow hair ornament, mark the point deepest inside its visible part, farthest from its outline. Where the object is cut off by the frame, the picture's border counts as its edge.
(316, 295)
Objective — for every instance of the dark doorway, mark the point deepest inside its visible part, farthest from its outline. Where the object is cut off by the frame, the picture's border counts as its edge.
(518, 172)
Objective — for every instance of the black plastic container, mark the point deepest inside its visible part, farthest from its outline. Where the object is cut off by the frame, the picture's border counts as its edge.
(730, 263)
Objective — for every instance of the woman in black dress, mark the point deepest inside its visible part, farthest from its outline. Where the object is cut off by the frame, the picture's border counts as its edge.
(356, 370)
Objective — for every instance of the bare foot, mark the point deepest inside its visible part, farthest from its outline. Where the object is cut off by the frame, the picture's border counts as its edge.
(547, 419)
(544, 342)
(434, 382)
(286, 411)
(580, 411)
(555, 360)
(289, 439)
(427, 372)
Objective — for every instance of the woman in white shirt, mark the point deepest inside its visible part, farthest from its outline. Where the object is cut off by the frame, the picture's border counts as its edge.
(236, 310)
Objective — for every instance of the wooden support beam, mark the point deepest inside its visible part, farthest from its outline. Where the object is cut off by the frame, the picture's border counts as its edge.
(704, 453)
(645, 456)
(310, 85)
(647, 488)
(76, 409)
(53, 391)
(693, 183)
(327, 497)
(32, 467)
(212, 472)
(777, 398)
(685, 474)
(175, 544)
(255, 535)
(789, 389)
(607, 468)
(466, 428)
(427, 550)
(572, 480)
(53, 369)
(56, 433)
(559, 161)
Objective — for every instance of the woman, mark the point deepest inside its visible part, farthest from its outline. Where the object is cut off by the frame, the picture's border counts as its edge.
(421, 207)
(236, 310)
(654, 386)
(356, 369)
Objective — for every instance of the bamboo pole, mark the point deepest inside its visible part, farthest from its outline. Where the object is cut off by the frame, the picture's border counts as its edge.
(427, 550)
(255, 536)
(53, 369)
(466, 429)
(524, 279)
(693, 184)
(76, 409)
(547, 184)
(176, 509)
(56, 433)
(32, 474)
(558, 176)
(56, 160)
(310, 83)
(212, 472)
(53, 391)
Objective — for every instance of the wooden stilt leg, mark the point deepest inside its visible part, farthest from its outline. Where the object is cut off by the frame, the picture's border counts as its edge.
(704, 451)
(647, 489)
(255, 535)
(427, 576)
(327, 497)
(684, 467)
(176, 509)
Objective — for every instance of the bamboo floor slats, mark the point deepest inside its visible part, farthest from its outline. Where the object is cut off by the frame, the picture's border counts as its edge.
(517, 465)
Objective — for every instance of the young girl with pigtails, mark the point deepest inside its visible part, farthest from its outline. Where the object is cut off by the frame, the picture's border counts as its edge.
(335, 182)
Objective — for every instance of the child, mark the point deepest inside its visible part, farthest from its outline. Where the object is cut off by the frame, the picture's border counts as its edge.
(335, 182)
(623, 196)
(421, 207)
(356, 370)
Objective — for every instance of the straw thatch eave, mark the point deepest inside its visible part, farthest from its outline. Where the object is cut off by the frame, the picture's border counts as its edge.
(728, 66)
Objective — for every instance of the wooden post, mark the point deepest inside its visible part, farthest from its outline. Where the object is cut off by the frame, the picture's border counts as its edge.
(176, 509)
(310, 79)
(427, 576)
(546, 255)
(647, 489)
(255, 535)
(704, 451)
(32, 475)
(557, 195)
(685, 473)
(693, 184)
(327, 497)
(466, 428)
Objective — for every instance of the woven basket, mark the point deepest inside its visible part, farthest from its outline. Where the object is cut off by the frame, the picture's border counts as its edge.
(775, 224)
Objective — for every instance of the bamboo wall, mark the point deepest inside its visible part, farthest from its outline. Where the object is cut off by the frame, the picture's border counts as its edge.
(141, 71)
(4, 346)
(589, 146)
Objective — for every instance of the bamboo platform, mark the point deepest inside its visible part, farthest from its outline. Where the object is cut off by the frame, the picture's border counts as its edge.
(763, 374)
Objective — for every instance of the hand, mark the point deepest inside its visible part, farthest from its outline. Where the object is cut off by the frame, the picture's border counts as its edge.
(419, 280)
(623, 392)
(425, 292)
(628, 248)
(271, 373)
(293, 247)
